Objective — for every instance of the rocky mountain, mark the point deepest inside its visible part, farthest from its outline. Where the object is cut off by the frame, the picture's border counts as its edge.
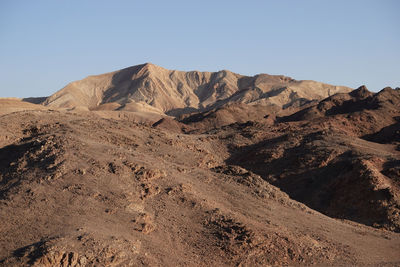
(250, 171)
(152, 88)
(340, 156)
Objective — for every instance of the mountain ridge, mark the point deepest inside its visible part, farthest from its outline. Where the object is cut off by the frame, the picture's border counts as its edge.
(175, 92)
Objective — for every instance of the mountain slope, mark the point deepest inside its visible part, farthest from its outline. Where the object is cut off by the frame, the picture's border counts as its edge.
(340, 156)
(179, 92)
(125, 194)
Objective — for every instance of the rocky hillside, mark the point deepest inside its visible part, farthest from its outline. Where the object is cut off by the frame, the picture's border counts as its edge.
(151, 88)
(251, 171)
(79, 190)
(340, 156)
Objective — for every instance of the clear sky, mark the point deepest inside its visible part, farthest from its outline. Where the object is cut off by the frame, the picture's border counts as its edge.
(46, 44)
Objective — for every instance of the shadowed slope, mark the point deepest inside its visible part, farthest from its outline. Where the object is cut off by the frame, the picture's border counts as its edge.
(339, 156)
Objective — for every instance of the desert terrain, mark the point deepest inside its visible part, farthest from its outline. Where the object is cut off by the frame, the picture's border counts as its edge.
(153, 167)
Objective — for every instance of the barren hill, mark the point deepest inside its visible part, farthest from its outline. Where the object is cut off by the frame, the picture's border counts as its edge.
(126, 194)
(9, 105)
(178, 92)
(262, 171)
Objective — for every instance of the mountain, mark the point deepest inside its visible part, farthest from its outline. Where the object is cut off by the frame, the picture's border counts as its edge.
(175, 93)
(151, 167)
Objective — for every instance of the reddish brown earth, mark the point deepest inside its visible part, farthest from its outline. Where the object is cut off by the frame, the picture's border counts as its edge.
(340, 157)
(317, 184)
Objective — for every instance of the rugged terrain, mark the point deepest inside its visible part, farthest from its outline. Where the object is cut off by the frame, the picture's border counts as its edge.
(316, 182)
(151, 88)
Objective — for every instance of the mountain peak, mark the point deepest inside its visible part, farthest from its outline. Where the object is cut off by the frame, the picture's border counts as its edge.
(148, 65)
(361, 92)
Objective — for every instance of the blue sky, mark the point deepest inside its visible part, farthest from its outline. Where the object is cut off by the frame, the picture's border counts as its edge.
(46, 44)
